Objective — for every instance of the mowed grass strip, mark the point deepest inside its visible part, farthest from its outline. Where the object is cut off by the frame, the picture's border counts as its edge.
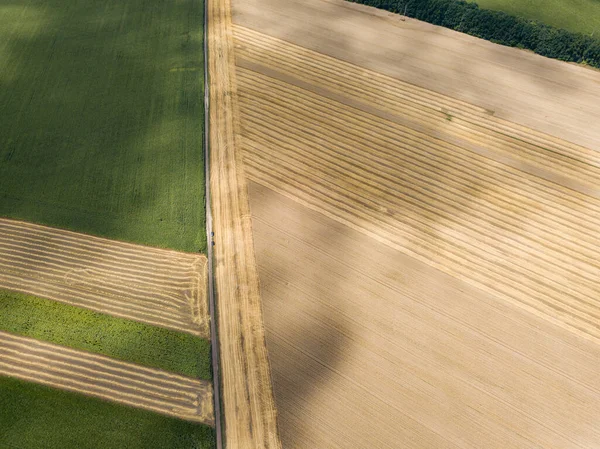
(101, 121)
(121, 339)
(34, 417)
(579, 16)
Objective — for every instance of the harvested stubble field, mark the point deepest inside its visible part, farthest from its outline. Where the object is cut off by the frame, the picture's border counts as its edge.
(426, 231)
(97, 424)
(371, 348)
(95, 375)
(154, 286)
(118, 338)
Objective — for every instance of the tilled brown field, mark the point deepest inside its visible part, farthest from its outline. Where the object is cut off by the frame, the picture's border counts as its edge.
(95, 375)
(426, 218)
(159, 287)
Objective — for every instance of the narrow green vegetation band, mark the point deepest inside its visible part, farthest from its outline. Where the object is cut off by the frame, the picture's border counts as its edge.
(122, 339)
(37, 417)
(498, 27)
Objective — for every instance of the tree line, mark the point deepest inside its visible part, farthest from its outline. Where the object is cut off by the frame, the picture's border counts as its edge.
(498, 27)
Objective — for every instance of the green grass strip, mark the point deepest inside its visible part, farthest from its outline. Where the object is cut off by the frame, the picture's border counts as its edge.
(38, 417)
(119, 338)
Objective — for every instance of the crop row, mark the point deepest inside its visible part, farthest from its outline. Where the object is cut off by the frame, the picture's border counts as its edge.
(427, 110)
(103, 377)
(161, 288)
(459, 211)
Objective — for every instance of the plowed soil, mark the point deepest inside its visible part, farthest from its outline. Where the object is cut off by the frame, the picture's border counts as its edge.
(159, 287)
(106, 378)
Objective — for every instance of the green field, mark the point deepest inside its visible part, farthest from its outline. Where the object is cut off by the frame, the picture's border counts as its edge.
(579, 16)
(101, 118)
(36, 417)
(101, 131)
(122, 339)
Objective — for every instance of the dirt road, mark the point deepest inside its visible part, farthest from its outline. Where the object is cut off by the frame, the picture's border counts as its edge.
(160, 287)
(95, 375)
(248, 406)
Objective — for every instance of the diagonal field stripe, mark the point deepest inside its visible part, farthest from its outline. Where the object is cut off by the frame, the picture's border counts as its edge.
(99, 376)
(151, 285)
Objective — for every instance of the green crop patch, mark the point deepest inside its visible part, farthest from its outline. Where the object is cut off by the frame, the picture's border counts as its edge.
(578, 16)
(37, 417)
(122, 339)
(101, 118)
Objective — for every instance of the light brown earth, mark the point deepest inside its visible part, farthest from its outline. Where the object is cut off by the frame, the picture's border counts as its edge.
(95, 375)
(247, 397)
(155, 286)
(426, 215)
(371, 348)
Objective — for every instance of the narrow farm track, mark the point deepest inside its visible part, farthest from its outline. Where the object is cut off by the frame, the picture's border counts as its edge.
(247, 397)
(527, 239)
(155, 286)
(427, 111)
(95, 375)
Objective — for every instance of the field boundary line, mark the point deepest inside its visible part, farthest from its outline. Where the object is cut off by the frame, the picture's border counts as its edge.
(250, 417)
(212, 312)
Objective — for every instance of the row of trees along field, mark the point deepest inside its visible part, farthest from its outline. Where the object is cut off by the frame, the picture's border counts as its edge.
(498, 27)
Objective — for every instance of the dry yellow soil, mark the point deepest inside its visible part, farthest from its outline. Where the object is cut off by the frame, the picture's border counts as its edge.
(426, 220)
(155, 286)
(95, 375)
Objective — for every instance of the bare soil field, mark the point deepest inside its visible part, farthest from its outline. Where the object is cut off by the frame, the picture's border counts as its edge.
(247, 397)
(155, 286)
(106, 378)
(372, 348)
(426, 215)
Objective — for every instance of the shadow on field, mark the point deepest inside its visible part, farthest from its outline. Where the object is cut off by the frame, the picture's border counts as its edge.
(101, 126)
(305, 335)
(101, 116)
